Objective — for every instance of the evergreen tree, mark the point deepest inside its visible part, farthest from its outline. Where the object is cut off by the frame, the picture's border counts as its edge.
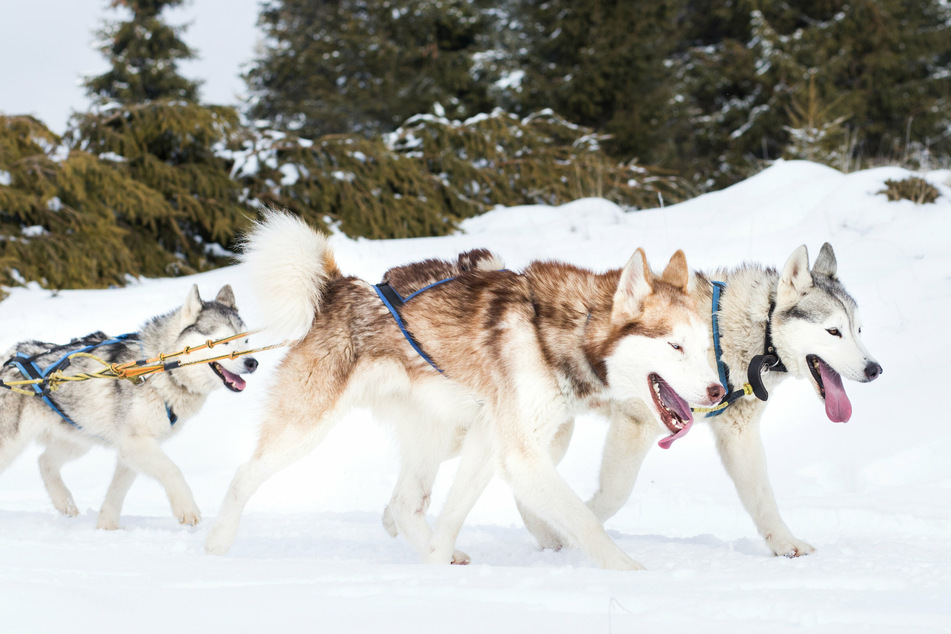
(148, 123)
(339, 66)
(875, 70)
(143, 53)
(602, 64)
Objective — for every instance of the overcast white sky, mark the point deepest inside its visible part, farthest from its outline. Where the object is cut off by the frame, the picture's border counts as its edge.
(46, 47)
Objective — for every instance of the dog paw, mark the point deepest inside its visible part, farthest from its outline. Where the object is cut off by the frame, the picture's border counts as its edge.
(219, 540)
(459, 558)
(68, 508)
(389, 523)
(108, 523)
(439, 556)
(789, 547)
(625, 564)
(549, 541)
(189, 517)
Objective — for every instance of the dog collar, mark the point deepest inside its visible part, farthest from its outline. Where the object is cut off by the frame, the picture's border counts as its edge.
(769, 361)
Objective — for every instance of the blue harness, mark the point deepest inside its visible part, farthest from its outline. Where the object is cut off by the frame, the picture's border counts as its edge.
(29, 369)
(394, 302)
(722, 370)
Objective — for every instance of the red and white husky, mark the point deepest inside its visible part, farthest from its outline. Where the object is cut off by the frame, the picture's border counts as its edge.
(518, 356)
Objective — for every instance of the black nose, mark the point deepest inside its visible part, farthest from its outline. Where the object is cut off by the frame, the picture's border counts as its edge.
(872, 370)
(251, 364)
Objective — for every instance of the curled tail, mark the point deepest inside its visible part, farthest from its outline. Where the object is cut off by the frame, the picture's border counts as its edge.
(289, 265)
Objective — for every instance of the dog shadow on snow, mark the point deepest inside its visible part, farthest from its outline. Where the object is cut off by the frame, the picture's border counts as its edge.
(359, 536)
(356, 536)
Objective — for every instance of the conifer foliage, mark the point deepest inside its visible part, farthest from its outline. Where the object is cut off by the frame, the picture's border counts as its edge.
(61, 214)
(136, 186)
(148, 121)
(432, 172)
(365, 66)
(143, 53)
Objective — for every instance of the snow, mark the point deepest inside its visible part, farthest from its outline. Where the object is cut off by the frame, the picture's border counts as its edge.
(873, 495)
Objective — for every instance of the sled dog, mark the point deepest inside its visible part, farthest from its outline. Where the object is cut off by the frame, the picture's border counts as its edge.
(810, 325)
(132, 419)
(504, 360)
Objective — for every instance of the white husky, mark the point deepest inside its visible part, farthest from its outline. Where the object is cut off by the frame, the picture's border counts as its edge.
(132, 419)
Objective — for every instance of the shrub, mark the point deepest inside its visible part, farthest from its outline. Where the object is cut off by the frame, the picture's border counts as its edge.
(917, 190)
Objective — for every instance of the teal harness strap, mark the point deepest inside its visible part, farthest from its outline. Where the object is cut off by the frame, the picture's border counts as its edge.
(722, 370)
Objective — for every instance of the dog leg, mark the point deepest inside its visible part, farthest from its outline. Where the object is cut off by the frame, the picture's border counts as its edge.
(406, 512)
(473, 475)
(122, 480)
(283, 440)
(58, 452)
(15, 430)
(144, 454)
(741, 451)
(537, 483)
(627, 443)
(545, 535)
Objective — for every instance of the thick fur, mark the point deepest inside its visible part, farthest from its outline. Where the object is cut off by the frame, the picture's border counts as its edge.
(522, 354)
(132, 419)
(814, 315)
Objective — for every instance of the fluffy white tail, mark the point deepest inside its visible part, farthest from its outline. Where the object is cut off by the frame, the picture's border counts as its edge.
(289, 265)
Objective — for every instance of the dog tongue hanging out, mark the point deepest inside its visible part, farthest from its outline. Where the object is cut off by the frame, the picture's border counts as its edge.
(817, 331)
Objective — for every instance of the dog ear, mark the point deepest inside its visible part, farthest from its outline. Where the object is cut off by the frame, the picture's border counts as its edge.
(677, 274)
(225, 297)
(192, 304)
(632, 289)
(825, 263)
(796, 278)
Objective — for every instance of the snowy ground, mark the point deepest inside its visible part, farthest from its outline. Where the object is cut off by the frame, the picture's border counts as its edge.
(874, 496)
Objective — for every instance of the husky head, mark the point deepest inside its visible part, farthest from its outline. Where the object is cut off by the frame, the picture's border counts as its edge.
(816, 330)
(661, 348)
(199, 322)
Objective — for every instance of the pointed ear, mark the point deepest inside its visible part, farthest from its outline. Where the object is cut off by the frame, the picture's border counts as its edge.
(192, 304)
(225, 297)
(632, 289)
(825, 263)
(796, 278)
(677, 274)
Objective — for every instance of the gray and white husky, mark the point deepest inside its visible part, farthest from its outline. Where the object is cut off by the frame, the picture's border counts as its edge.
(133, 419)
(807, 322)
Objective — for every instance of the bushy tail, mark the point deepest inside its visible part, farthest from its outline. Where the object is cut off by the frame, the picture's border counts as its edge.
(289, 265)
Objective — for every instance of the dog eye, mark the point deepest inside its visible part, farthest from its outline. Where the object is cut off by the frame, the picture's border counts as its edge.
(834, 332)
(675, 346)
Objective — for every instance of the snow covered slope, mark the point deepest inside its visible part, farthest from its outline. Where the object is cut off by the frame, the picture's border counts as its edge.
(874, 495)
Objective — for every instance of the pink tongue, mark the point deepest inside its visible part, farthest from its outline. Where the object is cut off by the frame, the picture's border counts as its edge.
(666, 442)
(234, 379)
(838, 406)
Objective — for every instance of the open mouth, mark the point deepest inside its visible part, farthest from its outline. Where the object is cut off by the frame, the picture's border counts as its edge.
(829, 385)
(231, 381)
(673, 410)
